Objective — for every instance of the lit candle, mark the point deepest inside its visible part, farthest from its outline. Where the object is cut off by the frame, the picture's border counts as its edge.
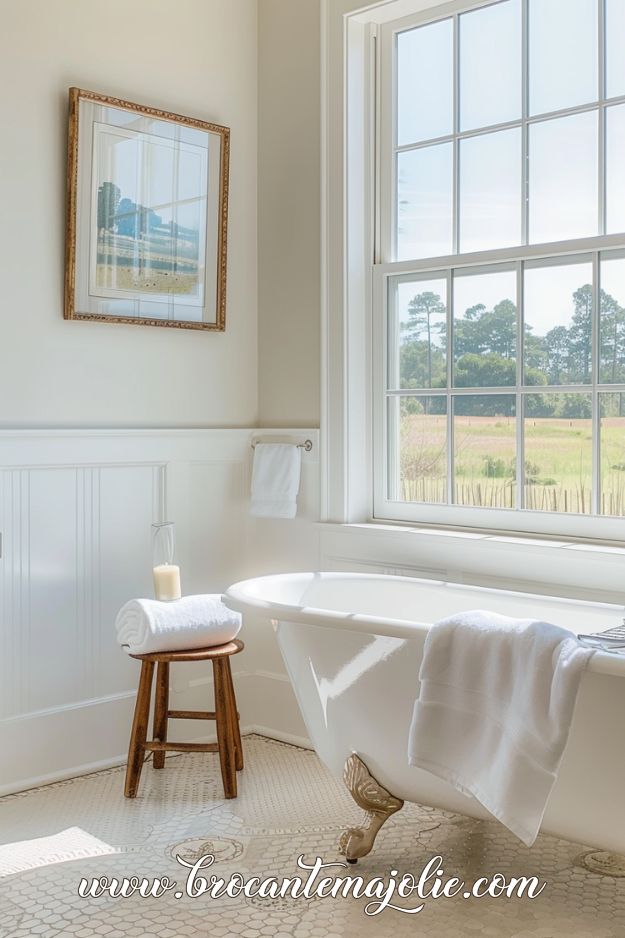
(167, 581)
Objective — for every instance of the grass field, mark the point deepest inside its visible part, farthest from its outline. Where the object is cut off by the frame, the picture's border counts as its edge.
(558, 462)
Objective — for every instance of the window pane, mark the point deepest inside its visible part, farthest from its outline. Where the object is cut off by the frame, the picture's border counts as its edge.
(558, 324)
(615, 60)
(563, 178)
(425, 82)
(563, 49)
(485, 450)
(612, 430)
(490, 44)
(615, 168)
(558, 452)
(612, 347)
(485, 330)
(490, 191)
(418, 334)
(424, 202)
(418, 463)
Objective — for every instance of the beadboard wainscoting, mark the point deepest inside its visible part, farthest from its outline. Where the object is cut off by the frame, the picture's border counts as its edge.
(75, 515)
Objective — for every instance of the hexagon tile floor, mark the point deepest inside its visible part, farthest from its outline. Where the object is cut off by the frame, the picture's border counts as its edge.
(288, 805)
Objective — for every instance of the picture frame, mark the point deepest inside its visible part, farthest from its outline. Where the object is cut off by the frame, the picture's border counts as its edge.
(147, 215)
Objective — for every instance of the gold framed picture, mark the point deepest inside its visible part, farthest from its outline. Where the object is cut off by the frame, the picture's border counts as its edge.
(147, 215)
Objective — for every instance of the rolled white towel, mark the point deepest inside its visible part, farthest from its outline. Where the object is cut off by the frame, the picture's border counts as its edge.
(147, 625)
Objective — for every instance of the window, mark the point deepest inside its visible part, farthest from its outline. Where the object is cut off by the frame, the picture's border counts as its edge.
(499, 274)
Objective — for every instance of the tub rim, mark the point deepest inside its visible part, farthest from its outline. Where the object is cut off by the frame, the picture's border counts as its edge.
(241, 597)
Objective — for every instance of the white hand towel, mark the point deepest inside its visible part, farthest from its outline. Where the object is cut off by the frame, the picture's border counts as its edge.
(494, 711)
(147, 625)
(275, 480)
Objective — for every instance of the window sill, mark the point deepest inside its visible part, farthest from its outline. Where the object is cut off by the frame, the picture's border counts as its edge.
(515, 542)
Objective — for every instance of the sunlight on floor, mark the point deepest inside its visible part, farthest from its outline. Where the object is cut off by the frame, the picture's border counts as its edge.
(70, 844)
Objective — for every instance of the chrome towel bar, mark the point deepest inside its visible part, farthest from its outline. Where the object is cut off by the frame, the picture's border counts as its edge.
(307, 445)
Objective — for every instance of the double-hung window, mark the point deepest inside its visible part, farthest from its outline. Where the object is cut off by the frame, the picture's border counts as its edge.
(499, 281)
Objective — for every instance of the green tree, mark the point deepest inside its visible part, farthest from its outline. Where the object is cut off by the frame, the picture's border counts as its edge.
(497, 329)
(423, 311)
(612, 340)
(541, 405)
(576, 406)
(485, 405)
(484, 371)
(580, 336)
(558, 346)
(414, 362)
(481, 330)
(467, 333)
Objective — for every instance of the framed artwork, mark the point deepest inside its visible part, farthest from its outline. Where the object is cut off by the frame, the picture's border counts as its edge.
(147, 215)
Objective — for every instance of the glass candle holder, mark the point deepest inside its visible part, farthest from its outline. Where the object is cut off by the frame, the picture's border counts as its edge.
(166, 573)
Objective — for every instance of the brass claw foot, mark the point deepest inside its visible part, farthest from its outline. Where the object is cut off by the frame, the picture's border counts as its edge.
(371, 797)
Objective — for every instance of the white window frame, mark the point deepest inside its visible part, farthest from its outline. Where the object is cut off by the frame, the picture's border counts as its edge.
(518, 519)
(349, 466)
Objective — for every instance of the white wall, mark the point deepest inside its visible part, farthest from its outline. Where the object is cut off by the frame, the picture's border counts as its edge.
(196, 57)
(289, 211)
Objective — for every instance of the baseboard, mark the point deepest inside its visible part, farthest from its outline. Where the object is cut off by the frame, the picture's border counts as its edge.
(61, 776)
(114, 762)
(302, 742)
(64, 742)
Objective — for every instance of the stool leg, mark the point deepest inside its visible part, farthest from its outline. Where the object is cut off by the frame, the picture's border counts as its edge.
(138, 736)
(161, 706)
(236, 729)
(225, 738)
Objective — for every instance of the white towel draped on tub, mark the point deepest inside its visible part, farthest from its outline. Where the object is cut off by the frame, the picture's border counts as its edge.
(275, 480)
(494, 711)
(147, 625)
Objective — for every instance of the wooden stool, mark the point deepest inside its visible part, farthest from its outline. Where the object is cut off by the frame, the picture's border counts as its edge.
(228, 743)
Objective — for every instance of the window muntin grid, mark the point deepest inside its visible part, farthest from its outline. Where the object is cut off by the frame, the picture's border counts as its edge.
(585, 122)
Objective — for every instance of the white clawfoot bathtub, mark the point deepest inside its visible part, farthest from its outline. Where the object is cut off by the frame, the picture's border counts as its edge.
(352, 644)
